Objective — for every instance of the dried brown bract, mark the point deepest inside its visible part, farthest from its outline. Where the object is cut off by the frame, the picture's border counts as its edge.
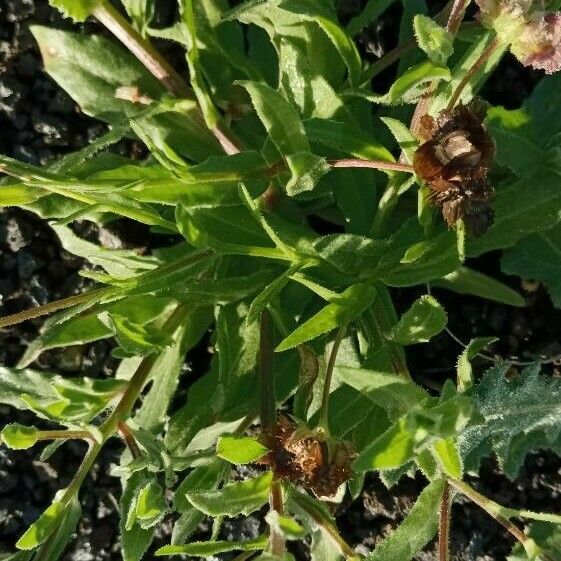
(454, 159)
(307, 457)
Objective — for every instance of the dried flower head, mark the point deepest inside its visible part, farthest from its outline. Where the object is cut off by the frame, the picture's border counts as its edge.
(453, 160)
(534, 36)
(307, 457)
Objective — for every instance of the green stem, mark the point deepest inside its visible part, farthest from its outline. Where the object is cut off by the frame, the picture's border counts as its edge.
(123, 408)
(277, 542)
(473, 70)
(39, 311)
(65, 435)
(324, 411)
(266, 378)
(497, 511)
(141, 48)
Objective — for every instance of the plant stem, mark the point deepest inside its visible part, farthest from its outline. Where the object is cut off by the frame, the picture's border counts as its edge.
(39, 311)
(456, 15)
(266, 378)
(156, 64)
(277, 542)
(323, 521)
(123, 408)
(374, 164)
(64, 435)
(141, 48)
(324, 410)
(492, 508)
(129, 439)
(483, 58)
(444, 525)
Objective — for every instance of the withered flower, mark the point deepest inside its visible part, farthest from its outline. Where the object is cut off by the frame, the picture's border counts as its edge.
(454, 159)
(307, 458)
(534, 36)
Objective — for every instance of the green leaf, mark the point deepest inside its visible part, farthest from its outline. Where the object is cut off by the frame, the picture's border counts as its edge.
(141, 12)
(53, 548)
(394, 448)
(433, 39)
(517, 415)
(475, 346)
(135, 540)
(234, 498)
(517, 148)
(347, 306)
(287, 526)
(195, 69)
(468, 281)
(341, 41)
(117, 263)
(449, 457)
(18, 437)
(346, 138)
(281, 121)
(78, 10)
(44, 526)
(207, 549)
(544, 539)
(151, 505)
(350, 254)
(424, 319)
(411, 85)
(285, 129)
(240, 449)
(394, 394)
(415, 531)
(537, 257)
(372, 10)
(91, 68)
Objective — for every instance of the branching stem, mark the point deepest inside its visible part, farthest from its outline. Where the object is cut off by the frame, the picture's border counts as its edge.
(473, 70)
(155, 63)
(324, 411)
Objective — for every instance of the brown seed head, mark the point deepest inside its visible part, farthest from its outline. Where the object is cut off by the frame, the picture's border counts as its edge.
(453, 160)
(307, 457)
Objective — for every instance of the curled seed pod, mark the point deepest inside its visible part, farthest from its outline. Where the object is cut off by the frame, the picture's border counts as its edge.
(308, 458)
(454, 159)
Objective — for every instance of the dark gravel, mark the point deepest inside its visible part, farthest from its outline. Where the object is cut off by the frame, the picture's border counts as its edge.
(39, 122)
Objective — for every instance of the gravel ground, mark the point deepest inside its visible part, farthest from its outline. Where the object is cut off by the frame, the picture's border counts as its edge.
(40, 122)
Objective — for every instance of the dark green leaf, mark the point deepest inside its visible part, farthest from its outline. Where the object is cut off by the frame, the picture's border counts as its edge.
(424, 319)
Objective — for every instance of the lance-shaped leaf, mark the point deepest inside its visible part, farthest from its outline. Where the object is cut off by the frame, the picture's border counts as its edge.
(207, 549)
(234, 498)
(342, 309)
(418, 528)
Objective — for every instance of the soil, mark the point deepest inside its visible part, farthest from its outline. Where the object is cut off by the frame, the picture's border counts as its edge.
(39, 122)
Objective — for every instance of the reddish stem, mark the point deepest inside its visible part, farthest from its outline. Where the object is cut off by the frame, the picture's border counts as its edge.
(373, 164)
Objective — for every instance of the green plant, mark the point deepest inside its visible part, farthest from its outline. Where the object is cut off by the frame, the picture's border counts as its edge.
(279, 123)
